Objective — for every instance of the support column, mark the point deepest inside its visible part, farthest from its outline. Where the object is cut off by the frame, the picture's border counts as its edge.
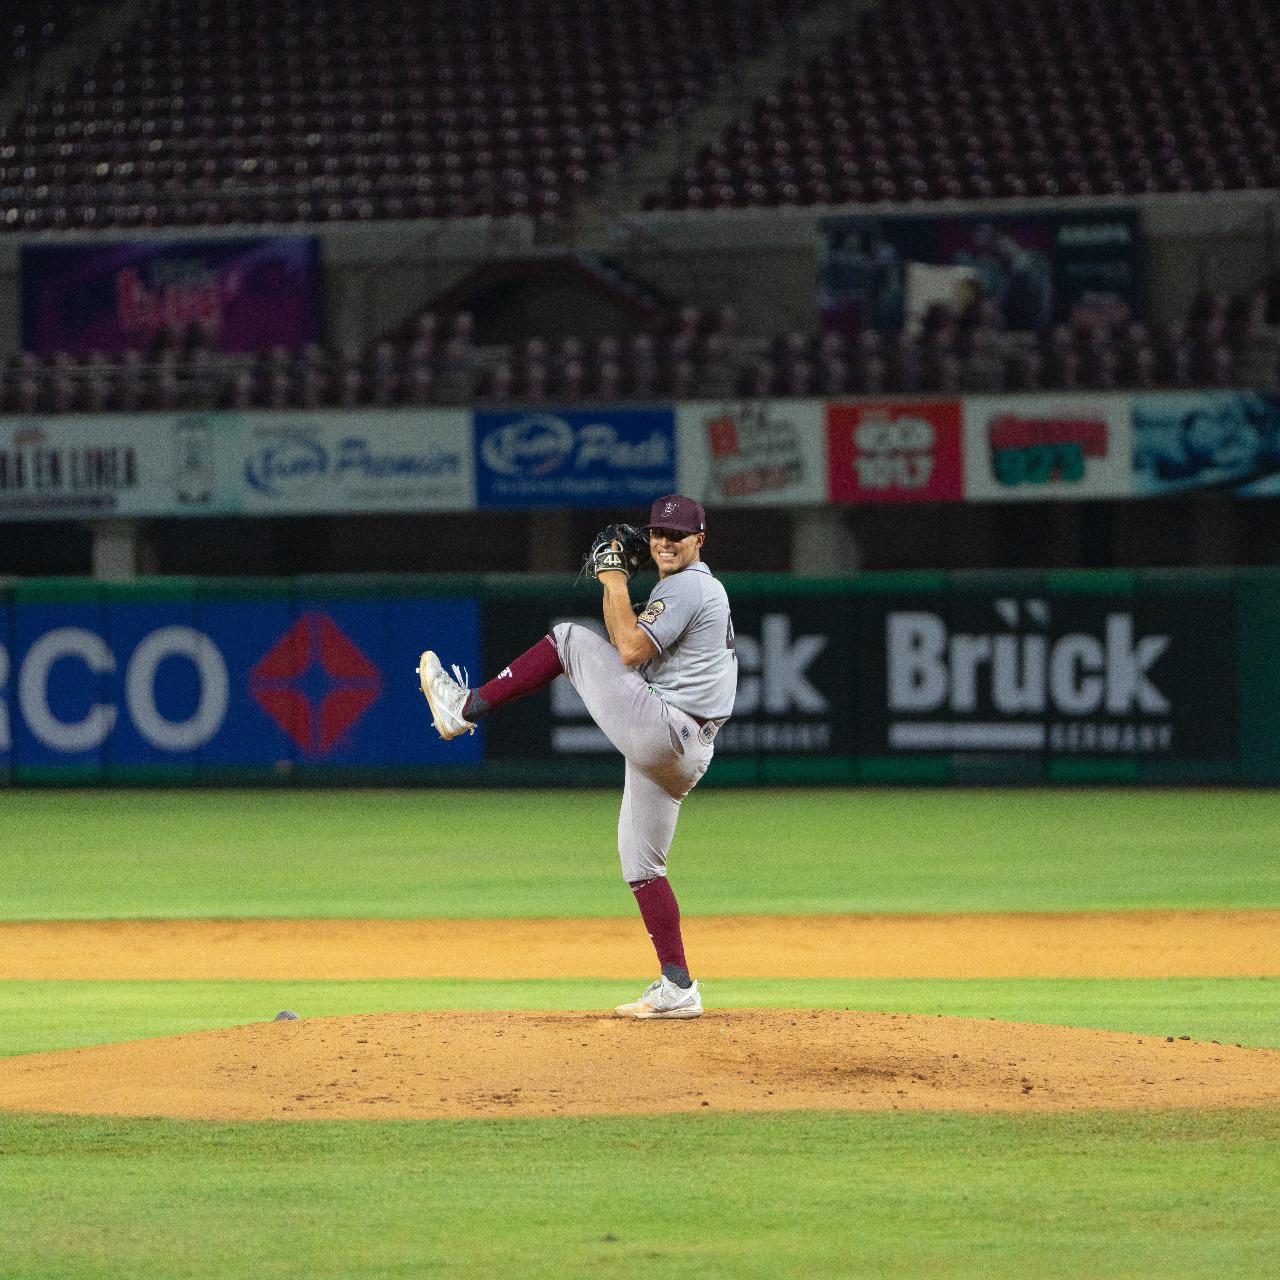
(822, 543)
(117, 550)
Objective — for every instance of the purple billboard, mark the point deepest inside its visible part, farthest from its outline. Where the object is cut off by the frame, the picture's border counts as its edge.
(249, 294)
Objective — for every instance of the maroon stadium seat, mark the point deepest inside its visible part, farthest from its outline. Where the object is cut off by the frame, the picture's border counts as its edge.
(310, 110)
(1010, 98)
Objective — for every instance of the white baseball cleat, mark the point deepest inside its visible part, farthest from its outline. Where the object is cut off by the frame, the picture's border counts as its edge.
(446, 696)
(663, 999)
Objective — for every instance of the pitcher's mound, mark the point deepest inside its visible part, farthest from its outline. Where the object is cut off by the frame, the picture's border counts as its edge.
(407, 1065)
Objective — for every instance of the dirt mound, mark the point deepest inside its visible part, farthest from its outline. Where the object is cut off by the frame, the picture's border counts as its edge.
(454, 1063)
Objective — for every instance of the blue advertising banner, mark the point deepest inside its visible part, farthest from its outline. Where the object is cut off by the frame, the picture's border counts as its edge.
(1034, 269)
(594, 457)
(1206, 440)
(281, 682)
(250, 294)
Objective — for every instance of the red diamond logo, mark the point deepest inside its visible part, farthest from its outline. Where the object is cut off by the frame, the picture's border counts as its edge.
(315, 683)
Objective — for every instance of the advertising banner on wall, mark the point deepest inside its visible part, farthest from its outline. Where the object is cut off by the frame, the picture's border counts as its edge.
(1036, 269)
(72, 467)
(398, 460)
(895, 451)
(1206, 440)
(250, 293)
(190, 464)
(977, 673)
(595, 457)
(1027, 448)
(275, 682)
(752, 452)
(1158, 676)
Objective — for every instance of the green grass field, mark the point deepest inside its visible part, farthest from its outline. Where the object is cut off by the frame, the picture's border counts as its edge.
(768, 1197)
(812, 1194)
(413, 854)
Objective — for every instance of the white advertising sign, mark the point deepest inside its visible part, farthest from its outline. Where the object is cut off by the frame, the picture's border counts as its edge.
(400, 460)
(753, 452)
(82, 467)
(190, 464)
(1027, 448)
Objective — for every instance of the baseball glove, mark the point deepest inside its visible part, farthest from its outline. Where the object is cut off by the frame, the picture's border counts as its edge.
(632, 550)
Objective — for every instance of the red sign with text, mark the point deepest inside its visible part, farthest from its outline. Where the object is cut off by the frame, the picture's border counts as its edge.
(895, 451)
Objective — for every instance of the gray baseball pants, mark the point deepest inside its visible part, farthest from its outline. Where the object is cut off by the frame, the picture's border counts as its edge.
(664, 752)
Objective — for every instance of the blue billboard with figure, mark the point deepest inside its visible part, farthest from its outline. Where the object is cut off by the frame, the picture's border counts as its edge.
(1185, 440)
(595, 457)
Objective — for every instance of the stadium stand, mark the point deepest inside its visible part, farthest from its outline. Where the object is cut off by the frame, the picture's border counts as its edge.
(31, 27)
(1224, 341)
(694, 351)
(689, 154)
(982, 99)
(212, 112)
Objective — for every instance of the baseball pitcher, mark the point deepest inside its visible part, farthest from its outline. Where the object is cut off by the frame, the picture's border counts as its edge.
(659, 688)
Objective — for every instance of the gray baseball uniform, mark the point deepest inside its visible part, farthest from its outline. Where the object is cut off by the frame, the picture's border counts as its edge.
(664, 716)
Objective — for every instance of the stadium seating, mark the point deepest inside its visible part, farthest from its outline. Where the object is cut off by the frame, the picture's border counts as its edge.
(29, 28)
(981, 99)
(217, 112)
(213, 112)
(1223, 342)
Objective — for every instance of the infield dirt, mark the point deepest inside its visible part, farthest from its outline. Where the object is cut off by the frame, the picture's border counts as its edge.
(461, 1063)
(465, 1063)
(1086, 944)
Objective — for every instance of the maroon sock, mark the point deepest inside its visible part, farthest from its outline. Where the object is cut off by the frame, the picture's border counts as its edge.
(661, 915)
(532, 670)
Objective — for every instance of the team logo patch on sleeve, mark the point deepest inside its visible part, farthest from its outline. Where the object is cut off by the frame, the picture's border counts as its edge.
(651, 611)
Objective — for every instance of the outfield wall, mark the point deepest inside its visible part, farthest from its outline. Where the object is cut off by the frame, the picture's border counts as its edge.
(1060, 677)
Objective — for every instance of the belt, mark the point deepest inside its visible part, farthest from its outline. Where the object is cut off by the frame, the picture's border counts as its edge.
(703, 721)
(700, 721)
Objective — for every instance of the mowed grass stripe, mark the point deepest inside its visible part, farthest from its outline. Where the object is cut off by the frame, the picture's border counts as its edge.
(810, 1194)
(40, 1016)
(460, 854)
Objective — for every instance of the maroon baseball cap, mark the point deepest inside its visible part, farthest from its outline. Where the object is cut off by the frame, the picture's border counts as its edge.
(675, 511)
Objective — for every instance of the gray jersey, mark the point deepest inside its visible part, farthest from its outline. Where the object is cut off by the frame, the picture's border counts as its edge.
(696, 668)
